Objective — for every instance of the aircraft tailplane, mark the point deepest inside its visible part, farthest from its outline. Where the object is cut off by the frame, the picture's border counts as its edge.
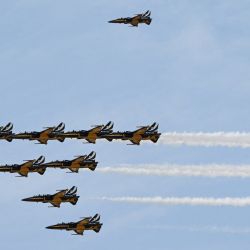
(97, 228)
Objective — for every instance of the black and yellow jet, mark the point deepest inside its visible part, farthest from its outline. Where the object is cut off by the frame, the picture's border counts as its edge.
(30, 166)
(135, 20)
(98, 131)
(87, 223)
(62, 196)
(146, 133)
(84, 161)
(49, 133)
(6, 132)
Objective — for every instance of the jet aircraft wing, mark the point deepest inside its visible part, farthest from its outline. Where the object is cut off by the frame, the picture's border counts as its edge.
(135, 20)
(74, 169)
(92, 134)
(60, 194)
(96, 130)
(44, 135)
(79, 159)
(24, 170)
(141, 131)
(137, 135)
(56, 203)
(84, 221)
(79, 231)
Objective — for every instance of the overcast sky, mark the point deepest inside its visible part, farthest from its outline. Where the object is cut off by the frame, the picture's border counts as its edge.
(188, 71)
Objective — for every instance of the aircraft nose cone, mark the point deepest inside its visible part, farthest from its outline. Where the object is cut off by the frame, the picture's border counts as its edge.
(49, 227)
(27, 199)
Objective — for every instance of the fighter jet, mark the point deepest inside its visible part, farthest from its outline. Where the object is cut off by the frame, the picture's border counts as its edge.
(135, 20)
(84, 161)
(149, 132)
(30, 166)
(6, 132)
(66, 195)
(98, 131)
(87, 223)
(50, 133)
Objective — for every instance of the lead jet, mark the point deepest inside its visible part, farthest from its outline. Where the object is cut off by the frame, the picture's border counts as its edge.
(87, 223)
(6, 132)
(135, 20)
(84, 161)
(135, 137)
(30, 166)
(98, 131)
(49, 133)
(66, 195)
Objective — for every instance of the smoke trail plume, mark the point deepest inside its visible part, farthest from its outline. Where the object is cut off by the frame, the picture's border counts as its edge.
(230, 139)
(186, 170)
(196, 201)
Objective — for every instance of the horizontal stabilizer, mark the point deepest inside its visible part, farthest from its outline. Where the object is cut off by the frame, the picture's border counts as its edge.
(41, 171)
(92, 167)
(97, 228)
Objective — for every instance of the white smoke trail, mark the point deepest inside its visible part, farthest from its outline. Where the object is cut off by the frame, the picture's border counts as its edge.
(186, 170)
(230, 139)
(196, 201)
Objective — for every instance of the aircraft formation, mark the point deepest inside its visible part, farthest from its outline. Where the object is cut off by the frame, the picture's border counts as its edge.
(57, 133)
(39, 165)
(87, 161)
(68, 196)
(142, 133)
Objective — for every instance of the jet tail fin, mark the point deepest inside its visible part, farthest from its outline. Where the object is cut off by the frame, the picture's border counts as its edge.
(91, 156)
(7, 128)
(72, 191)
(60, 127)
(108, 127)
(40, 160)
(147, 13)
